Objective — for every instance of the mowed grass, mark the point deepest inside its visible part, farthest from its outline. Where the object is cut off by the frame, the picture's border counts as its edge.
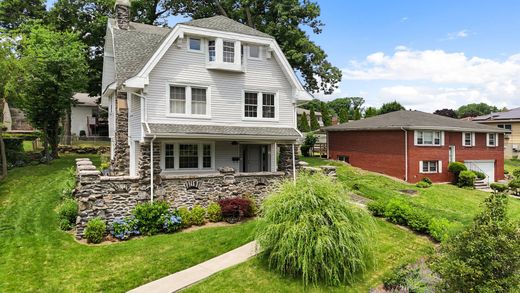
(392, 246)
(511, 165)
(442, 200)
(35, 256)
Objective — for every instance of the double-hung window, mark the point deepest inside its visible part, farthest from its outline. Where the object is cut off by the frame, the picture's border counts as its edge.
(468, 139)
(189, 101)
(260, 105)
(211, 51)
(429, 166)
(228, 52)
(492, 140)
(428, 138)
(188, 156)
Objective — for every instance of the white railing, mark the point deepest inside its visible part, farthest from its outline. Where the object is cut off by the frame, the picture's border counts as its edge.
(474, 167)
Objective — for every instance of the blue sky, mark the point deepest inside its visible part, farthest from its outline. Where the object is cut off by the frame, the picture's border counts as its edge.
(425, 54)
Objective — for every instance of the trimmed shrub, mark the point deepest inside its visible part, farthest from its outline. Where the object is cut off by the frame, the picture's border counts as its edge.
(214, 213)
(418, 221)
(456, 168)
(95, 230)
(185, 216)
(198, 215)
(397, 212)
(422, 184)
(485, 256)
(67, 212)
(514, 185)
(440, 229)
(149, 217)
(480, 175)
(466, 179)
(377, 208)
(516, 173)
(235, 208)
(427, 180)
(499, 188)
(309, 230)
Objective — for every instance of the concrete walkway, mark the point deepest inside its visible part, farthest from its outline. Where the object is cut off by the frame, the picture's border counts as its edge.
(190, 276)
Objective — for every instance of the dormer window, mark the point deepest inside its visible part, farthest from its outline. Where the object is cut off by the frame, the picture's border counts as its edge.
(254, 52)
(211, 51)
(195, 44)
(229, 52)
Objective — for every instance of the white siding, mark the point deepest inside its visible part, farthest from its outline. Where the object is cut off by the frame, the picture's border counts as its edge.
(224, 153)
(134, 118)
(78, 117)
(109, 74)
(226, 88)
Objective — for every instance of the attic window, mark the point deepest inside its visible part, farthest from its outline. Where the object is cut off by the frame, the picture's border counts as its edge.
(195, 44)
(254, 52)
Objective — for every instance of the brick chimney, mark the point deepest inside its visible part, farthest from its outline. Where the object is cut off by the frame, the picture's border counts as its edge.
(123, 14)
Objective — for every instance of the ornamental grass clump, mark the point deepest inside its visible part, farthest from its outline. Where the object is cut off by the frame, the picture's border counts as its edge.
(308, 230)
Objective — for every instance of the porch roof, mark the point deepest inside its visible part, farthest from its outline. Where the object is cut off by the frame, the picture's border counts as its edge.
(220, 131)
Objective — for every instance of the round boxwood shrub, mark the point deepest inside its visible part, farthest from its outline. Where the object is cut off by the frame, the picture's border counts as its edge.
(95, 230)
(516, 173)
(422, 184)
(309, 230)
(457, 167)
(499, 188)
(67, 213)
(214, 212)
(198, 215)
(466, 179)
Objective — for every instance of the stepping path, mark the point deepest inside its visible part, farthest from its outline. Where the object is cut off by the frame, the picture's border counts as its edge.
(190, 276)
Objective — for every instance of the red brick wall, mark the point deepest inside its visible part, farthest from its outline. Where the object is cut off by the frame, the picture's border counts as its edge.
(378, 151)
(383, 152)
(441, 153)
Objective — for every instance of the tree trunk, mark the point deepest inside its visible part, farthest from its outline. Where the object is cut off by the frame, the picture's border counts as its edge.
(67, 127)
(2, 145)
(46, 144)
(249, 16)
(220, 8)
(54, 140)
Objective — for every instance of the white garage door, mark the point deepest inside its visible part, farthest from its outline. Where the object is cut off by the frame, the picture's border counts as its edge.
(486, 166)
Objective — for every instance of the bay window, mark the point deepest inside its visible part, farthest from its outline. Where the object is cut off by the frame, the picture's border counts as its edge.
(211, 51)
(260, 105)
(189, 101)
(228, 52)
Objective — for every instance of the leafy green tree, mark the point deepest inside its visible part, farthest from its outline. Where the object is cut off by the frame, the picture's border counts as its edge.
(289, 21)
(315, 125)
(446, 112)
(343, 115)
(370, 112)
(390, 107)
(338, 104)
(14, 13)
(474, 109)
(326, 117)
(54, 67)
(485, 257)
(153, 11)
(303, 123)
(315, 105)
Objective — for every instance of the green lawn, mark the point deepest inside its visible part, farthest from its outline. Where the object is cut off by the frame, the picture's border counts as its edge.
(35, 256)
(392, 246)
(442, 200)
(511, 165)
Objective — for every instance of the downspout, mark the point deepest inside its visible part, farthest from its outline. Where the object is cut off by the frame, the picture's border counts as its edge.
(293, 164)
(405, 154)
(151, 168)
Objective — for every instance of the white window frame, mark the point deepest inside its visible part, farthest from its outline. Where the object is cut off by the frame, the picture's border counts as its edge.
(472, 135)
(188, 111)
(259, 112)
(235, 53)
(176, 154)
(201, 51)
(437, 171)
(418, 132)
(496, 140)
(259, 52)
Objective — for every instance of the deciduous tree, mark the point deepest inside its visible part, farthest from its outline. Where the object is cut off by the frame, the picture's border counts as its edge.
(343, 115)
(370, 112)
(474, 110)
(390, 107)
(446, 112)
(13, 13)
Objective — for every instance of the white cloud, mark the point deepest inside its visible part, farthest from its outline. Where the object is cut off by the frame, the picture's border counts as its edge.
(433, 79)
(457, 35)
(404, 18)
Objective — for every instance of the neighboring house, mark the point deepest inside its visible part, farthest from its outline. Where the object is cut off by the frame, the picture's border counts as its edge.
(15, 121)
(207, 94)
(86, 117)
(300, 111)
(411, 145)
(509, 120)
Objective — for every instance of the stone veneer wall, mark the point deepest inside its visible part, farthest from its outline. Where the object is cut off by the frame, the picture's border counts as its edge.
(286, 163)
(111, 197)
(121, 161)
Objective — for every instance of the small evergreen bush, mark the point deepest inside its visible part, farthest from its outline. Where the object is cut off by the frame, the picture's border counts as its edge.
(95, 230)
(440, 229)
(422, 184)
(456, 168)
(198, 215)
(499, 188)
(185, 216)
(235, 208)
(397, 212)
(214, 212)
(516, 173)
(480, 175)
(149, 217)
(514, 185)
(310, 231)
(418, 221)
(466, 179)
(377, 208)
(67, 212)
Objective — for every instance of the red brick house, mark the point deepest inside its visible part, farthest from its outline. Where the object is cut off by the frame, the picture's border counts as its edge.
(411, 145)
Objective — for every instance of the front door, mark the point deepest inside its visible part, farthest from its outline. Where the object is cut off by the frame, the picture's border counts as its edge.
(254, 158)
(452, 153)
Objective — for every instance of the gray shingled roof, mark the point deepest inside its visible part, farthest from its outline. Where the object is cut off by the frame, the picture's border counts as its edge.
(222, 23)
(513, 114)
(412, 120)
(173, 129)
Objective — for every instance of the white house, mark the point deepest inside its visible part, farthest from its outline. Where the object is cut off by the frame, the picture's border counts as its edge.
(205, 94)
(83, 115)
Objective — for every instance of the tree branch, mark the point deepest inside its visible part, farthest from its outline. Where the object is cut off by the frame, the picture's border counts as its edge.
(220, 8)
(250, 23)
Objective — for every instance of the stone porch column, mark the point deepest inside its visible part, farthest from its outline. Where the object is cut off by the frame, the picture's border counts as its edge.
(120, 163)
(286, 162)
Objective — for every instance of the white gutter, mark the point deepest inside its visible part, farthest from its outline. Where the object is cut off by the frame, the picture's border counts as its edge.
(405, 154)
(151, 168)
